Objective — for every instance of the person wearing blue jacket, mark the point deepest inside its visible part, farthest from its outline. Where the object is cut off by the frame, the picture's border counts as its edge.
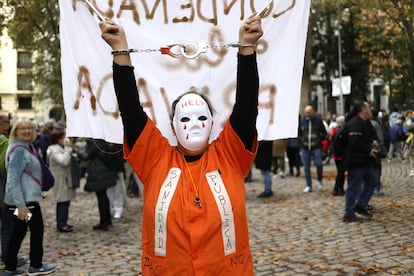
(22, 196)
(398, 134)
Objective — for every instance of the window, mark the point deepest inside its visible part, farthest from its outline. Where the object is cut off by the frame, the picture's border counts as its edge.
(25, 102)
(24, 60)
(23, 82)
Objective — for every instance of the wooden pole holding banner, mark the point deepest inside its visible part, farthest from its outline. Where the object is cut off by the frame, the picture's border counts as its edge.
(100, 16)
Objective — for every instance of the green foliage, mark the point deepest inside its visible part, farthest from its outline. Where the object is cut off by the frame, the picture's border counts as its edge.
(2, 15)
(377, 42)
(394, 38)
(34, 26)
(355, 62)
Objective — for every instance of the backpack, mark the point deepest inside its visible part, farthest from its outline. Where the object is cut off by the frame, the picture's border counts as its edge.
(114, 156)
(339, 142)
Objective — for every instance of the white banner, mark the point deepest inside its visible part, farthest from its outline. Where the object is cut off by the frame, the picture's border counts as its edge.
(89, 98)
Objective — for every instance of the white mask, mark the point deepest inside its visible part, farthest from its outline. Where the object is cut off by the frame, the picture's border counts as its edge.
(192, 122)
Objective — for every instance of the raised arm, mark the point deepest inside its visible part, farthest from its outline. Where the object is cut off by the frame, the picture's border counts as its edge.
(132, 114)
(243, 117)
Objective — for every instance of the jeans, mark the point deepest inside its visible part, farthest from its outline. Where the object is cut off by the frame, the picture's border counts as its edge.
(361, 184)
(6, 231)
(62, 213)
(378, 172)
(316, 155)
(267, 180)
(395, 147)
(248, 177)
(19, 232)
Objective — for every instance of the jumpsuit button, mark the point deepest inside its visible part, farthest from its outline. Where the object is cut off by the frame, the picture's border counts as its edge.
(194, 256)
(192, 220)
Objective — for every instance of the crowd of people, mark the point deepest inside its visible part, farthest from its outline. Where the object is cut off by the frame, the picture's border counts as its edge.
(194, 213)
(370, 137)
(22, 146)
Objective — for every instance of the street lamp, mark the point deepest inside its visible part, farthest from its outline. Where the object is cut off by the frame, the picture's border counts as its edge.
(341, 97)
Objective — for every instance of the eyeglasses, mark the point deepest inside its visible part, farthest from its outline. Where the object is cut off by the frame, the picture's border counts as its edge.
(24, 128)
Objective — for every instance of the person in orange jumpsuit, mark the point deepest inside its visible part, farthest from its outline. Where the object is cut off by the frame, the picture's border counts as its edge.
(194, 214)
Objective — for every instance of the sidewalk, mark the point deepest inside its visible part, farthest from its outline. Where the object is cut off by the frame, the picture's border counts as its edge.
(292, 233)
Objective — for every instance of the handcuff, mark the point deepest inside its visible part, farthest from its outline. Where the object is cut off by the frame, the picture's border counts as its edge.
(189, 50)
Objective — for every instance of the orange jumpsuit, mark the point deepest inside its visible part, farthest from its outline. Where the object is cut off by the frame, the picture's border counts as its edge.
(179, 237)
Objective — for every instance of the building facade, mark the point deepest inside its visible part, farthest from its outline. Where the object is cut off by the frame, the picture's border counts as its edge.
(18, 95)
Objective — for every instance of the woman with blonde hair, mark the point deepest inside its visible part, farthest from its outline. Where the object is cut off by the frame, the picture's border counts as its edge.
(22, 197)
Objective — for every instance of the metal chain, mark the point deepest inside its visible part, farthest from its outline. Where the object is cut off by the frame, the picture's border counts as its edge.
(189, 50)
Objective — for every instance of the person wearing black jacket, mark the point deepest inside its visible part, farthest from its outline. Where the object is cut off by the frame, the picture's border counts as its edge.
(359, 160)
(311, 132)
(263, 162)
(99, 178)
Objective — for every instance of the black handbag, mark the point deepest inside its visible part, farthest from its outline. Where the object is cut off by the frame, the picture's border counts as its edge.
(75, 172)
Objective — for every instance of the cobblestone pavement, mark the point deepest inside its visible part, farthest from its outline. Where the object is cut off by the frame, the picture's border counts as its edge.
(292, 233)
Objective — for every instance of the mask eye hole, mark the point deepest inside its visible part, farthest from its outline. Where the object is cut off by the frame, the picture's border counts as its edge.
(202, 118)
(184, 120)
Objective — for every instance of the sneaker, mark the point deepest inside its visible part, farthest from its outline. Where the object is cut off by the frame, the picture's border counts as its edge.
(320, 185)
(118, 215)
(10, 273)
(65, 229)
(22, 260)
(266, 194)
(411, 173)
(379, 191)
(44, 269)
(362, 211)
(307, 189)
(351, 218)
